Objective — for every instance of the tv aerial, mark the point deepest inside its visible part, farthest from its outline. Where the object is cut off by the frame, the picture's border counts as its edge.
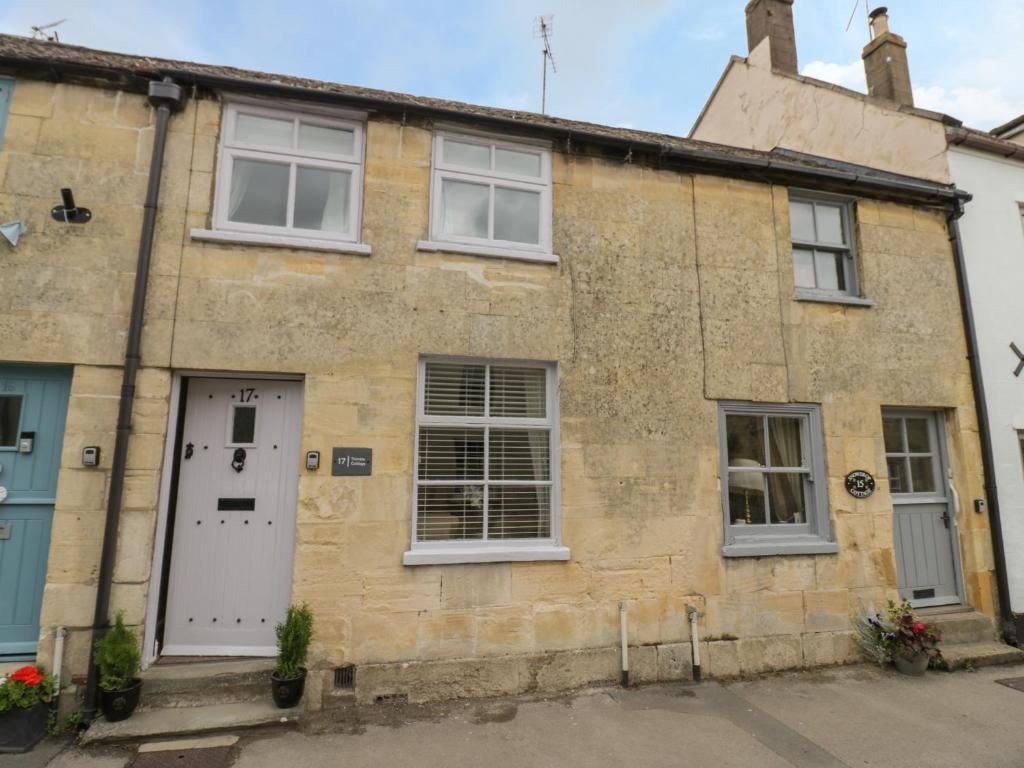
(41, 33)
(543, 28)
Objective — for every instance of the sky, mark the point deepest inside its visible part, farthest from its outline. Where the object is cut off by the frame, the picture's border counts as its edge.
(644, 64)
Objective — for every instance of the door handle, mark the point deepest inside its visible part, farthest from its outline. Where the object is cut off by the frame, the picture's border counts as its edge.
(238, 460)
(190, 448)
(5, 531)
(945, 518)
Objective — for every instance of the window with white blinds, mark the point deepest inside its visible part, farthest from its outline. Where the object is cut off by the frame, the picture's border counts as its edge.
(485, 446)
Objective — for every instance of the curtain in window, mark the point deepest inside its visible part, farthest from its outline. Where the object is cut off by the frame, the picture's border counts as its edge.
(241, 179)
(335, 217)
(784, 443)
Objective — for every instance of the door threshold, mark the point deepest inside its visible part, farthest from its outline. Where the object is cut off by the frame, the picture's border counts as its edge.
(933, 610)
(170, 661)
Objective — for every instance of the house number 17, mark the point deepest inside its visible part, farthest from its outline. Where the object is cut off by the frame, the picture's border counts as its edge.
(246, 394)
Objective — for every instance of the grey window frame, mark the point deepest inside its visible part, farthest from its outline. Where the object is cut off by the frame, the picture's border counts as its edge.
(848, 212)
(815, 537)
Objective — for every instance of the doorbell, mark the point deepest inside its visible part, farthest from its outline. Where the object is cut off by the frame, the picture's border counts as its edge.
(91, 456)
(312, 460)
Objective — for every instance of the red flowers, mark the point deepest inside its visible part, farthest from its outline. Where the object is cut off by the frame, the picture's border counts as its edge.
(919, 627)
(28, 675)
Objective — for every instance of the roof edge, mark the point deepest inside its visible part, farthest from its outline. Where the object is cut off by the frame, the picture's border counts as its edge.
(984, 142)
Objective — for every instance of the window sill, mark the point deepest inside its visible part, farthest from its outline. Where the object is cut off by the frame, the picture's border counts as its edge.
(486, 250)
(833, 298)
(449, 555)
(280, 241)
(764, 547)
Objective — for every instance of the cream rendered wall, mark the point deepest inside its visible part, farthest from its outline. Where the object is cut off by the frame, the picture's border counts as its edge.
(759, 108)
(993, 239)
(673, 291)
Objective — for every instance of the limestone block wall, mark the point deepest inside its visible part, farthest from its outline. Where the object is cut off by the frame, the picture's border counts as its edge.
(672, 292)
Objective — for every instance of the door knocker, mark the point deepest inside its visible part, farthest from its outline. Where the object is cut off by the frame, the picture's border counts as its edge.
(238, 462)
(189, 450)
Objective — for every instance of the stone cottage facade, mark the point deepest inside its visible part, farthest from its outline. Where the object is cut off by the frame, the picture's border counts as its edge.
(465, 380)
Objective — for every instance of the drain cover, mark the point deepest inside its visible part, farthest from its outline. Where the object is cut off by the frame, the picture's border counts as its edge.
(211, 757)
(1017, 683)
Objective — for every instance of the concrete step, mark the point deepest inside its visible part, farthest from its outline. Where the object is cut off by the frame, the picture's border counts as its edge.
(206, 683)
(183, 721)
(972, 655)
(961, 626)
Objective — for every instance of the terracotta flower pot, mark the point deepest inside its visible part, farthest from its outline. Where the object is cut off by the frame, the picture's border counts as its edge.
(22, 729)
(915, 665)
(287, 691)
(119, 705)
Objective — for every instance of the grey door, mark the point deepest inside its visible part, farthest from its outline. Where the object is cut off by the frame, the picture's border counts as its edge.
(923, 517)
(234, 528)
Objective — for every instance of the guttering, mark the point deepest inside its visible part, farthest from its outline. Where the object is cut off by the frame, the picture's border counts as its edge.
(690, 158)
(1006, 620)
(165, 97)
(973, 140)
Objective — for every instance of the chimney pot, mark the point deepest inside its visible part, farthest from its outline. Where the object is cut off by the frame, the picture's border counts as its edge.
(773, 19)
(879, 21)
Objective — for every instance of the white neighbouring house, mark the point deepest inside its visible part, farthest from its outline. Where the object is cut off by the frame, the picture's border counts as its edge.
(763, 102)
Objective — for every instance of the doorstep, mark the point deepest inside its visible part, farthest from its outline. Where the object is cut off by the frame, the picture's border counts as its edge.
(973, 655)
(183, 721)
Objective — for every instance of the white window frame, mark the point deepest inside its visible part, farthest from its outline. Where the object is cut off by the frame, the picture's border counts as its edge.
(229, 149)
(813, 537)
(851, 266)
(496, 550)
(440, 171)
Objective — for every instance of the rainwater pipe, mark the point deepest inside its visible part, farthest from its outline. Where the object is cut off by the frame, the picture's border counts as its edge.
(625, 645)
(58, 665)
(164, 96)
(694, 641)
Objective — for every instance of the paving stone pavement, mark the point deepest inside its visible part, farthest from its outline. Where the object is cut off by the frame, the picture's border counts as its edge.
(851, 716)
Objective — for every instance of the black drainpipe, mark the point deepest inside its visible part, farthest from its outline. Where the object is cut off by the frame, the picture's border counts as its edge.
(166, 96)
(1006, 622)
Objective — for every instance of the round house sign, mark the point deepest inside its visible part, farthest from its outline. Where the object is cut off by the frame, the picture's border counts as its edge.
(860, 484)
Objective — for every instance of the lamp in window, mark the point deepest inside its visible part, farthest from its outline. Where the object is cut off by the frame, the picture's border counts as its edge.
(749, 483)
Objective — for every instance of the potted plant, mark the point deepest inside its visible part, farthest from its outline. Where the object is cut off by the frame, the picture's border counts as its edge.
(25, 697)
(118, 658)
(899, 637)
(288, 680)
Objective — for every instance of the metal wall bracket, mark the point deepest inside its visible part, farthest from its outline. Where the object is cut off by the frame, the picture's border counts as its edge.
(69, 213)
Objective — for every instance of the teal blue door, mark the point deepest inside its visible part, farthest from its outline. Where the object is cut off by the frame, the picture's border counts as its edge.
(33, 407)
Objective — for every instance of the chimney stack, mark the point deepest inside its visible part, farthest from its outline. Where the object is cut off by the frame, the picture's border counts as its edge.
(773, 19)
(885, 62)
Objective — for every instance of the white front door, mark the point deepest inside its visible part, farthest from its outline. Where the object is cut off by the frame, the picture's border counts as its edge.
(234, 517)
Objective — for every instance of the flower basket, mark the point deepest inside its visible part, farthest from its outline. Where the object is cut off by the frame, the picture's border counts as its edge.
(25, 697)
(899, 637)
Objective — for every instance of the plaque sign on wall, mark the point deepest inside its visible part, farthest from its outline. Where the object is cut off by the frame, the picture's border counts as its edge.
(351, 462)
(860, 484)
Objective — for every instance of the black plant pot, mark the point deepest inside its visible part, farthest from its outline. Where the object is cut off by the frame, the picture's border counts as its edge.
(119, 705)
(287, 691)
(22, 729)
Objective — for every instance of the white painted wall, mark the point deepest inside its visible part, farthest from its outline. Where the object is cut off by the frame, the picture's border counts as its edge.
(993, 238)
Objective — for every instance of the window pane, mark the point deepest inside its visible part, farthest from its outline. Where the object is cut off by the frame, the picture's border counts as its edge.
(745, 440)
(786, 499)
(469, 155)
(451, 453)
(10, 415)
(746, 498)
(322, 199)
(785, 436)
(893, 433)
(801, 221)
(917, 437)
(259, 193)
(830, 224)
(921, 471)
(323, 138)
(243, 425)
(465, 208)
(264, 131)
(454, 389)
(518, 512)
(520, 163)
(516, 215)
(899, 476)
(449, 512)
(520, 454)
(803, 268)
(518, 392)
(829, 269)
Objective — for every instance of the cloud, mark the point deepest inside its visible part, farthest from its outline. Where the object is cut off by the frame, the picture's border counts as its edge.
(976, 107)
(847, 75)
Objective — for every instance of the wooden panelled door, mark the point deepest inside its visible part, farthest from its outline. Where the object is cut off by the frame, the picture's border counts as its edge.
(33, 408)
(230, 573)
(924, 522)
